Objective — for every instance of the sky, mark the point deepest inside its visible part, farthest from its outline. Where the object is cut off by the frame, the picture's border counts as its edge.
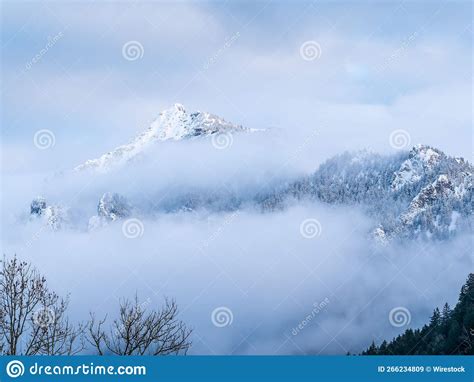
(319, 78)
(378, 67)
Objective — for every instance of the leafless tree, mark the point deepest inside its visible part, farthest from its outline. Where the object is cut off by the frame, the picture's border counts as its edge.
(137, 332)
(33, 319)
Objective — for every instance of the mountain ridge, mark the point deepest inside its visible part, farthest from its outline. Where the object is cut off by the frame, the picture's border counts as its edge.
(174, 123)
(417, 193)
(420, 193)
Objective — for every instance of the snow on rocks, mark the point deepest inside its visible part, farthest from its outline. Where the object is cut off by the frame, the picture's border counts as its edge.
(172, 124)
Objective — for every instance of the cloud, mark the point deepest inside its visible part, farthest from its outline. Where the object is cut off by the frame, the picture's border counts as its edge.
(262, 269)
(95, 99)
(270, 270)
(368, 81)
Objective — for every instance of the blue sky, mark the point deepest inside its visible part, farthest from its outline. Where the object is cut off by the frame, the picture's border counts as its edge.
(383, 66)
(379, 67)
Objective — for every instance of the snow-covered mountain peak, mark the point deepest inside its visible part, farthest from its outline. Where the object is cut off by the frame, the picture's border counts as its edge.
(179, 107)
(54, 216)
(174, 123)
(426, 154)
(422, 159)
(421, 193)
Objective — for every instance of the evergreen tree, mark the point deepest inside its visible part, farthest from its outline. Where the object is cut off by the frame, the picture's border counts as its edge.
(448, 332)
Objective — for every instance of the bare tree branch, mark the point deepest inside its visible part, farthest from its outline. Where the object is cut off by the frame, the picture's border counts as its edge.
(32, 318)
(137, 332)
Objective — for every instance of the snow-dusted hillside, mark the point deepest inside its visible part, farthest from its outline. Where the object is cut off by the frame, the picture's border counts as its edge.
(422, 192)
(172, 124)
(419, 193)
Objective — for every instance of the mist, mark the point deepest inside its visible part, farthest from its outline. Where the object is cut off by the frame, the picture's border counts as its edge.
(304, 280)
